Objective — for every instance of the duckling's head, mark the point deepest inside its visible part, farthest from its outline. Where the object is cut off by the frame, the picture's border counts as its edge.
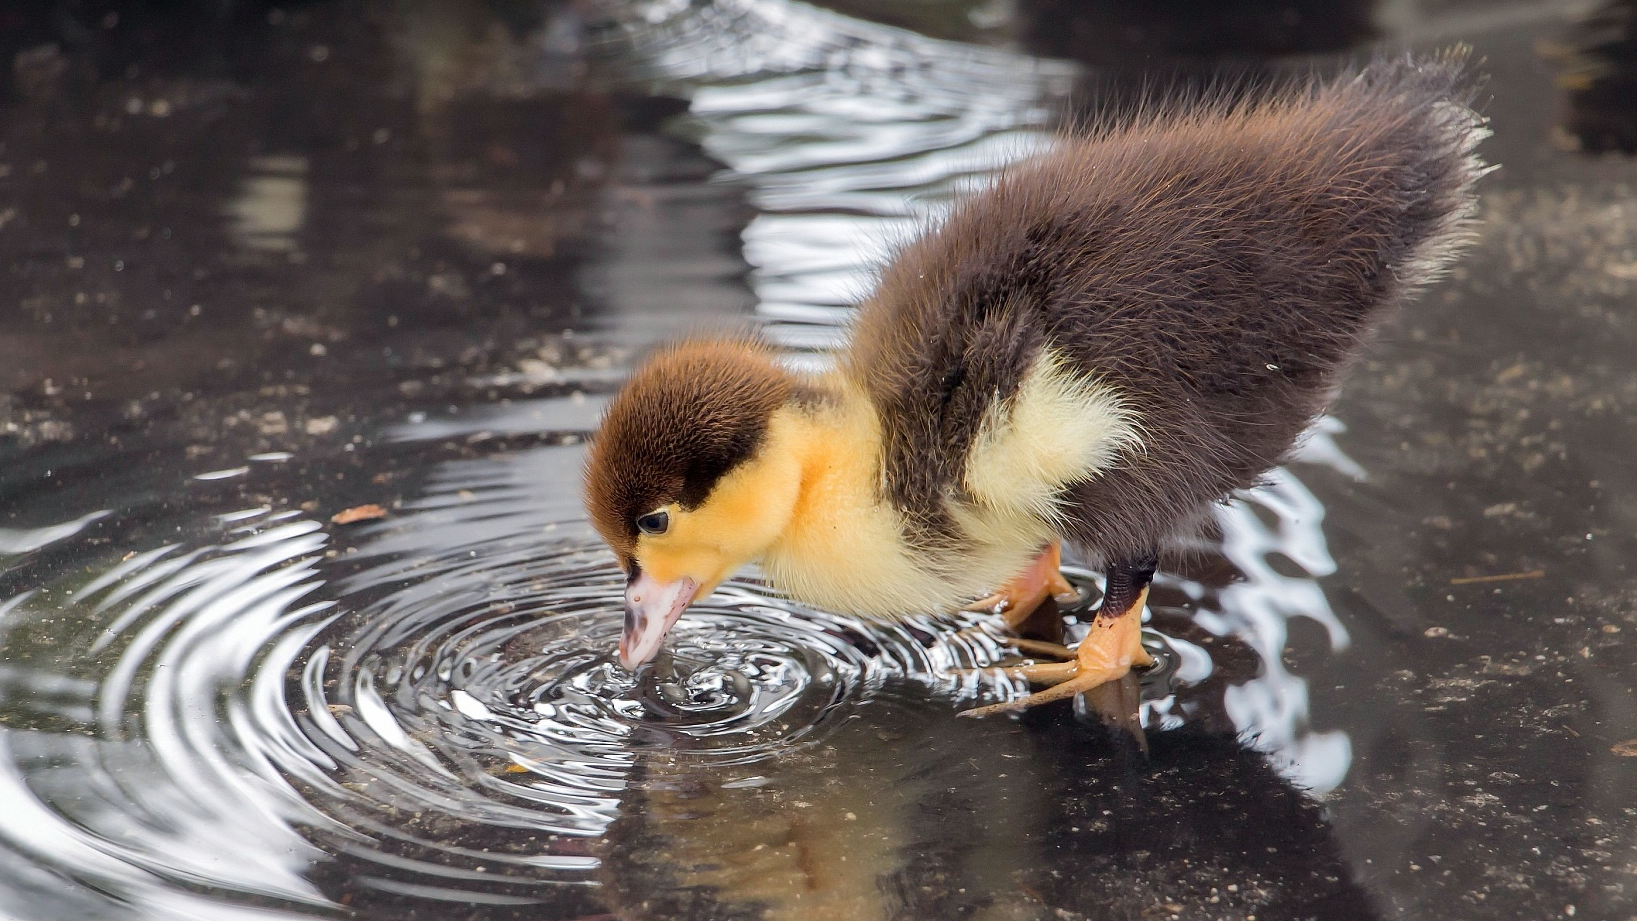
(689, 478)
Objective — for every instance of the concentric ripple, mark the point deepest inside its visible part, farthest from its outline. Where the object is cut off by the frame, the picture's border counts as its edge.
(494, 664)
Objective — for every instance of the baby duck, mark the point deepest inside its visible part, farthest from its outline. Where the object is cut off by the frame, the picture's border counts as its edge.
(1113, 337)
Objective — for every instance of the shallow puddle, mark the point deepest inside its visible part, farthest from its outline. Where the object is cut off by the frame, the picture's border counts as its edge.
(284, 263)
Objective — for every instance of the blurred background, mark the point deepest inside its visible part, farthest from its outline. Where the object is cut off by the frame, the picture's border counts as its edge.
(308, 308)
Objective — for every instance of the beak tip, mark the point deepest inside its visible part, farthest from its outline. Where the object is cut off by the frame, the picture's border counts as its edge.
(650, 610)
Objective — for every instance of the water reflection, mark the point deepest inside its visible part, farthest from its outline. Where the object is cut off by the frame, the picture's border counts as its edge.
(1272, 710)
(271, 206)
(27, 540)
(162, 779)
(850, 136)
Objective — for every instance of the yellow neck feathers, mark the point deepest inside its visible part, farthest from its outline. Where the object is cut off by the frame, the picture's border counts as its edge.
(844, 547)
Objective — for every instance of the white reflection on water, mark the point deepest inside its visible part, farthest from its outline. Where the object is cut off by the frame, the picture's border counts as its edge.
(150, 787)
(851, 136)
(28, 540)
(271, 207)
(38, 837)
(1272, 709)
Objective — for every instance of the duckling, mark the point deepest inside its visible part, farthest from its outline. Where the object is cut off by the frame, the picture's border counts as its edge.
(1107, 341)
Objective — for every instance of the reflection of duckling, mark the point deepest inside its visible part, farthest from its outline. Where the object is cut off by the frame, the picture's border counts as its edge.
(1108, 341)
(873, 821)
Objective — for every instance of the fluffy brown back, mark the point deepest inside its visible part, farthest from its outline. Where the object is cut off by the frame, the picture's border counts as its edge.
(1217, 263)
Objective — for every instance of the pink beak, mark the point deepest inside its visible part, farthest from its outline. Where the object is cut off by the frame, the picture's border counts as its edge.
(651, 607)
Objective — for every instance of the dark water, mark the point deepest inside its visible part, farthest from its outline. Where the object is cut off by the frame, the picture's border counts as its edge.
(268, 263)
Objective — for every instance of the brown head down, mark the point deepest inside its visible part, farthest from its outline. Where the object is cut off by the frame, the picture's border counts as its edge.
(691, 414)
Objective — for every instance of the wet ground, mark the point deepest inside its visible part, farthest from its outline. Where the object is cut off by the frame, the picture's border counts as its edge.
(271, 263)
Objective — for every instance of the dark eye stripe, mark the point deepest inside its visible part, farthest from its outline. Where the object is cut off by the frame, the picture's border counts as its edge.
(654, 522)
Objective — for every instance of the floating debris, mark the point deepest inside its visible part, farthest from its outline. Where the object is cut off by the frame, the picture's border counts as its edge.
(358, 513)
(1501, 577)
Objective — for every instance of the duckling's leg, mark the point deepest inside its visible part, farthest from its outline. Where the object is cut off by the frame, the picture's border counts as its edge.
(1029, 589)
(1108, 652)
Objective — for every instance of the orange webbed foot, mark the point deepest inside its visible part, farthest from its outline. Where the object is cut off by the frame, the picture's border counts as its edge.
(1108, 652)
(1029, 589)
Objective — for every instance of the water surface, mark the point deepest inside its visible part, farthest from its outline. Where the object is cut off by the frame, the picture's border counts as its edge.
(270, 264)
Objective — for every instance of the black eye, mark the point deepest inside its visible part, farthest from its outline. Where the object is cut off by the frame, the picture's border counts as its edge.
(654, 522)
